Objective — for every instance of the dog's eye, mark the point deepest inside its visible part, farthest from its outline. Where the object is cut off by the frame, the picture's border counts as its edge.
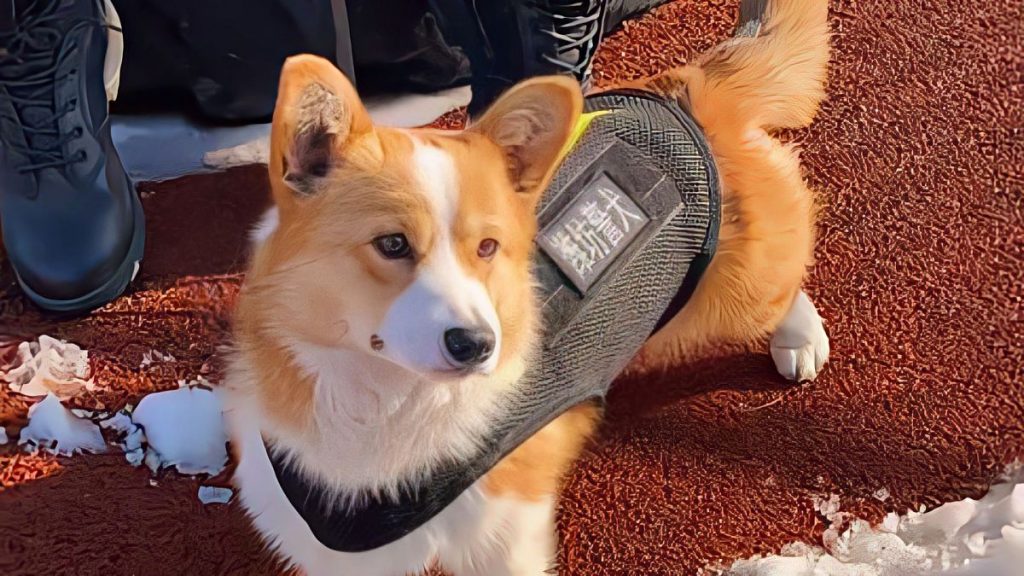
(393, 246)
(488, 248)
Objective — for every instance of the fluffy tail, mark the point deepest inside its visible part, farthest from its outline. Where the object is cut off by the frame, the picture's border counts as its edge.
(772, 74)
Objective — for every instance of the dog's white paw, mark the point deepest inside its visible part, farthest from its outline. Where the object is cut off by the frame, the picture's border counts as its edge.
(800, 345)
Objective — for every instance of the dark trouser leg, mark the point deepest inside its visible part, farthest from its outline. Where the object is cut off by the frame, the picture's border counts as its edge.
(517, 39)
(224, 56)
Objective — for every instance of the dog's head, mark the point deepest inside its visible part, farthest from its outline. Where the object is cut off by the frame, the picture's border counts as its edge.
(409, 245)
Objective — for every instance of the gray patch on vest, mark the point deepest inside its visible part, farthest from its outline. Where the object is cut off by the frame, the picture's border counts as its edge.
(592, 231)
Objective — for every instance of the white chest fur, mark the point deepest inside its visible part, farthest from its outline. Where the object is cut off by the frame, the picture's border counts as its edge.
(478, 534)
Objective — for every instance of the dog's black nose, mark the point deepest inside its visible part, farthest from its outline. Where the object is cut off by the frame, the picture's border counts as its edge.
(468, 347)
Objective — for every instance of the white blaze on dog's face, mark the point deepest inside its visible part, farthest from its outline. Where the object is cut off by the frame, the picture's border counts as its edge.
(408, 245)
(445, 319)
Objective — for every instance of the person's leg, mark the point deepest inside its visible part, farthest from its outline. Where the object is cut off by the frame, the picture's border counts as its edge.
(72, 224)
(618, 11)
(200, 51)
(219, 58)
(510, 40)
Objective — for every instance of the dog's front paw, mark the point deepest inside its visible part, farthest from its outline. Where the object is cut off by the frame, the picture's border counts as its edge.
(800, 345)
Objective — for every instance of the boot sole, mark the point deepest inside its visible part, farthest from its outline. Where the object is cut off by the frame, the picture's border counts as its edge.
(114, 287)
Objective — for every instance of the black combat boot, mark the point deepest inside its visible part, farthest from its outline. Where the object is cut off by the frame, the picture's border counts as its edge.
(72, 223)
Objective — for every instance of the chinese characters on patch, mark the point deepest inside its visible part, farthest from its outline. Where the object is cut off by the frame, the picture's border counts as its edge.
(594, 229)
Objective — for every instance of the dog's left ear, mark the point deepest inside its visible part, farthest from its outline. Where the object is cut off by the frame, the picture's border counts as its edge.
(532, 123)
(318, 121)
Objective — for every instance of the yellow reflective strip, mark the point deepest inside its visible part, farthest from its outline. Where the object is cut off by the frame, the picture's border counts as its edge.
(577, 132)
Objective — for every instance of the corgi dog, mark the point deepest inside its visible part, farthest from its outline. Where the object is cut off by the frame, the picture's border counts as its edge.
(390, 302)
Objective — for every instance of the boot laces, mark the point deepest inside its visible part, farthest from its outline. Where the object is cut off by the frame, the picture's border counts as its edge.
(30, 57)
(576, 29)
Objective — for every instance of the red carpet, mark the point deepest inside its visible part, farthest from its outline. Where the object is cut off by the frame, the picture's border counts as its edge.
(918, 157)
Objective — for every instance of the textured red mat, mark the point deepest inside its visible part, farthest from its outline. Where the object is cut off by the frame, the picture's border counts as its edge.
(918, 155)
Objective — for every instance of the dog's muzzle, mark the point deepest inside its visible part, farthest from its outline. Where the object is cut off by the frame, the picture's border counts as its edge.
(628, 225)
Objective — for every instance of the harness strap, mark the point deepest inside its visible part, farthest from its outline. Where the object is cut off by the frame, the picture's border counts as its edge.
(633, 208)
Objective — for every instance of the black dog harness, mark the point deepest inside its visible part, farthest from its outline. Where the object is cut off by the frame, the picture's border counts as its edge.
(628, 225)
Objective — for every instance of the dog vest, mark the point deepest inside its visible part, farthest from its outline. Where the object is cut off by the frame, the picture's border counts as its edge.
(627, 226)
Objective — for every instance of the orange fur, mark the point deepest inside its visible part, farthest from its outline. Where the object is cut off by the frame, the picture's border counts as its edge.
(510, 223)
(322, 240)
(737, 91)
(537, 467)
(318, 280)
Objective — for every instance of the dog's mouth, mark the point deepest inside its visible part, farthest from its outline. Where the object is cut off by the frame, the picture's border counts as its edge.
(452, 371)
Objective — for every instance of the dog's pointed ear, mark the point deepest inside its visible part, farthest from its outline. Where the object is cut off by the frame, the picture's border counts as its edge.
(317, 117)
(532, 123)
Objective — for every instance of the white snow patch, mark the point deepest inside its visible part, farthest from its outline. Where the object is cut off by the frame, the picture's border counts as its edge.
(135, 457)
(966, 538)
(827, 507)
(398, 111)
(133, 440)
(215, 495)
(55, 429)
(183, 428)
(49, 365)
(153, 357)
(199, 381)
(414, 110)
(130, 434)
(120, 423)
(253, 152)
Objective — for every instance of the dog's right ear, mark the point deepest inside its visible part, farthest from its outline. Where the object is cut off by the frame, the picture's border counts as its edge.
(317, 118)
(532, 123)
